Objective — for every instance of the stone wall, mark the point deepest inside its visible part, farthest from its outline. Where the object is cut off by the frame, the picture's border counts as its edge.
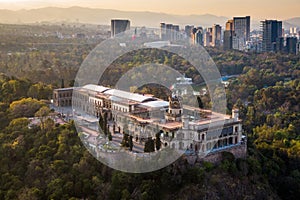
(216, 157)
(239, 151)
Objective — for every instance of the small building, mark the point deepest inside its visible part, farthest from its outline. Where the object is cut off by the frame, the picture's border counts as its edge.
(62, 97)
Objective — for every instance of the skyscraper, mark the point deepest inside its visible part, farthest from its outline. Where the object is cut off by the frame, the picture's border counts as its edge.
(241, 28)
(216, 35)
(197, 35)
(163, 31)
(228, 35)
(229, 25)
(169, 31)
(119, 26)
(293, 31)
(208, 37)
(272, 30)
(175, 32)
(291, 45)
(188, 30)
(280, 44)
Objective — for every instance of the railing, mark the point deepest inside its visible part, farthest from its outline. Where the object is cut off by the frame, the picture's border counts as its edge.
(173, 115)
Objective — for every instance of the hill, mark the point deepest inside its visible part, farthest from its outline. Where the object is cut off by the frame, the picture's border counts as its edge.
(103, 16)
(293, 22)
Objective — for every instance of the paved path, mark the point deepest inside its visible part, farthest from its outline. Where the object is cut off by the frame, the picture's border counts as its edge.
(116, 139)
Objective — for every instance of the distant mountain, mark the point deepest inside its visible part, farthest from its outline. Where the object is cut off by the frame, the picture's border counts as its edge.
(103, 16)
(294, 22)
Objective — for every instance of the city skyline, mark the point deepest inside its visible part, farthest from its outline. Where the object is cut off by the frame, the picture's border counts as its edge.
(258, 10)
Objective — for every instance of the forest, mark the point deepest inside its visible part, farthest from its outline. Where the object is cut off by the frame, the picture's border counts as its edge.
(48, 161)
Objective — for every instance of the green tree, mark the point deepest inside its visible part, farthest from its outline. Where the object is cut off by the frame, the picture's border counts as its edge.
(18, 124)
(43, 114)
(25, 107)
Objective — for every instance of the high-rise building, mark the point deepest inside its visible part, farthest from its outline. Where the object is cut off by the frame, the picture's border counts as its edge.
(229, 25)
(227, 42)
(216, 35)
(208, 37)
(241, 28)
(291, 45)
(163, 31)
(228, 35)
(119, 26)
(188, 30)
(298, 47)
(197, 35)
(169, 31)
(293, 31)
(280, 44)
(272, 30)
(175, 32)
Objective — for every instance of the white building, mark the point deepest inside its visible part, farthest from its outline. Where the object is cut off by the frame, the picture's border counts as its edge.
(143, 116)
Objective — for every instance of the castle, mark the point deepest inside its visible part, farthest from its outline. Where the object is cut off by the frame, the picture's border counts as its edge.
(182, 127)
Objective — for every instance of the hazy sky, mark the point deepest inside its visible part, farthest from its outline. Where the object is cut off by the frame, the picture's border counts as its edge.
(258, 9)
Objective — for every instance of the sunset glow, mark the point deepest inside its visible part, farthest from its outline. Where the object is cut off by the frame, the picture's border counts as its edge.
(256, 8)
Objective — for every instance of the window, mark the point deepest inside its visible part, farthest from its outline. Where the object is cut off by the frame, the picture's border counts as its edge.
(181, 145)
(230, 130)
(230, 140)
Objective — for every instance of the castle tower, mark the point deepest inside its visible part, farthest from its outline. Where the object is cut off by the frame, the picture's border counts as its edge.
(174, 112)
(235, 114)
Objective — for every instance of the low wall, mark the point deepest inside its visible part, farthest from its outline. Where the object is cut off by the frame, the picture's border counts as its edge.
(239, 151)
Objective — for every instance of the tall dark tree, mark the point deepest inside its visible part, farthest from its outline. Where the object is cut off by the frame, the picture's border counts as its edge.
(157, 141)
(109, 136)
(149, 145)
(130, 143)
(200, 103)
(62, 83)
(101, 124)
(125, 140)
